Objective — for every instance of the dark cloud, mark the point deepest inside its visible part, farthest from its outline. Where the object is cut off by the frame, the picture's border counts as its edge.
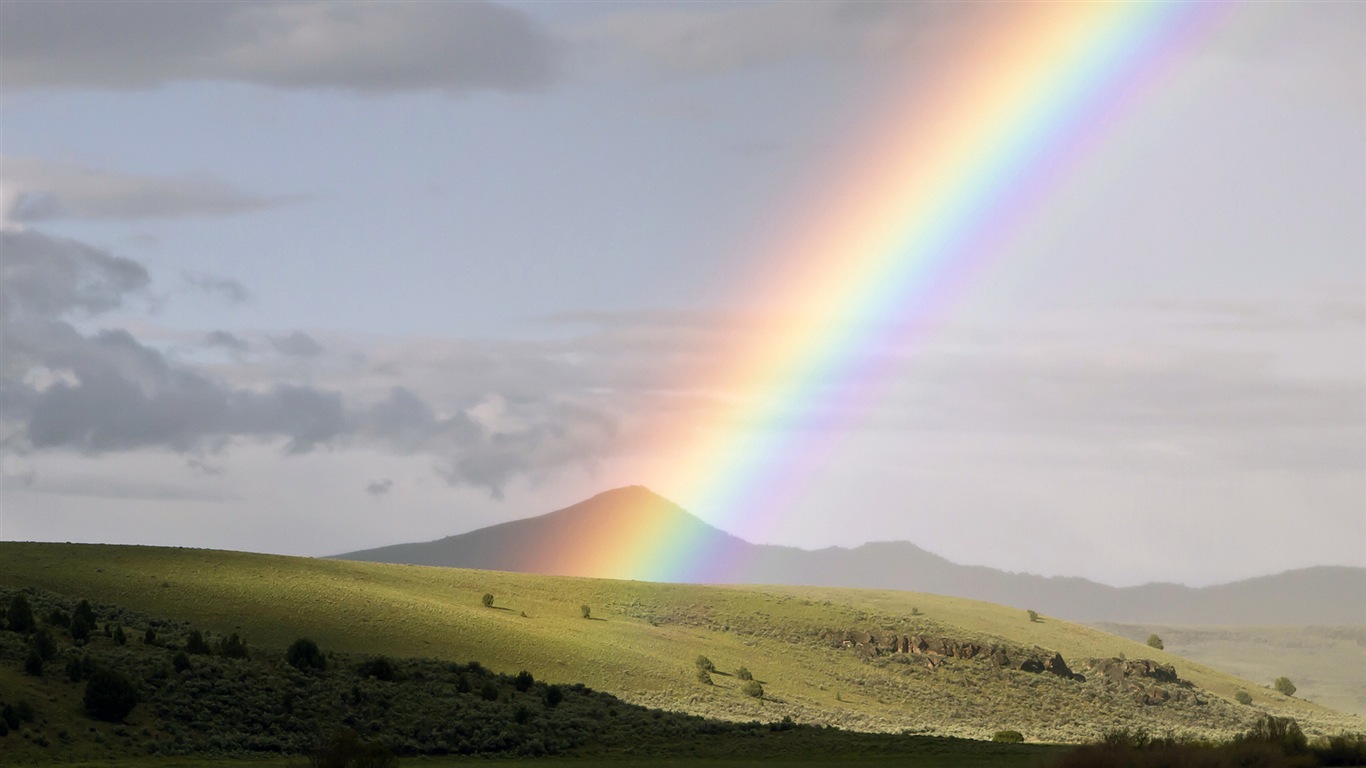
(379, 487)
(225, 340)
(297, 344)
(47, 276)
(42, 191)
(107, 391)
(230, 291)
(361, 46)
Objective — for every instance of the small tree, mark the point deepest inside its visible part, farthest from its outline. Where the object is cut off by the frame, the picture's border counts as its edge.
(704, 677)
(1243, 697)
(84, 611)
(744, 674)
(487, 600)
(553, 696)
(233, 647)
(586, 611)
(703, 663)
(119, 636)
(753, 688)
(20, 615)
(303, 654)
(1155, 642)
(1033, 614)
(33, 663)
(196, 644)
(1284, 685)
(149, 637)
(109, 695)
(523, 681)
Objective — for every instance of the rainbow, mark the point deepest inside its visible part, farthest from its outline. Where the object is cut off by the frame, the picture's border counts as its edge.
(945, 182)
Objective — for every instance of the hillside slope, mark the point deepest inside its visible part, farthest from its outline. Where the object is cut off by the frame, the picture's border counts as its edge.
(822, 654)
(582, 540)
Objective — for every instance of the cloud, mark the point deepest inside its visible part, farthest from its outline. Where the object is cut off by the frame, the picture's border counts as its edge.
(50, 276)
(297, 344)
(62, 389)
(379, 487)
(713, 38)
(230, 291)
(372, 47)
(225, 340)
(36, 190)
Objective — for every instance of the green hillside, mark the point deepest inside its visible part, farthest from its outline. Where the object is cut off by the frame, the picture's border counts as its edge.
(642, 641)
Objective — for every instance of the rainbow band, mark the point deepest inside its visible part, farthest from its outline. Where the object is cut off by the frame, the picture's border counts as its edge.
(951, 181)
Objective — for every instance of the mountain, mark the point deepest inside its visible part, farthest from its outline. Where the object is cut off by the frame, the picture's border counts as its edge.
(586, 540)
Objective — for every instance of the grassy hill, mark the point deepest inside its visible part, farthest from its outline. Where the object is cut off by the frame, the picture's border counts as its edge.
(1328, 664)
(643, 639)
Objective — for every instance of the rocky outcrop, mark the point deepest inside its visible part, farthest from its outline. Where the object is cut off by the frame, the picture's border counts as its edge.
(932, 650)
(1147, 681)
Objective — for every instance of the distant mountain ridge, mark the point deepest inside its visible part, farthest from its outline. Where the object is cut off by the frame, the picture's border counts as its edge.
(578, 541)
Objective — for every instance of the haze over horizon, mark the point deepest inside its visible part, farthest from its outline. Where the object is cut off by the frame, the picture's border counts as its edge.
(310, 278)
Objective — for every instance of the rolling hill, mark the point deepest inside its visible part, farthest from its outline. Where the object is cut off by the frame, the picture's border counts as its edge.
(872, 660)
(577, 541)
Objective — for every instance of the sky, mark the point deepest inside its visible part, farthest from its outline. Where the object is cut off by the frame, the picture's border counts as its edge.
(311, 277)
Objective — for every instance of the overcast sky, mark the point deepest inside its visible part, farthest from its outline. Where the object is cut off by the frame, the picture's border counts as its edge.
(313, 277)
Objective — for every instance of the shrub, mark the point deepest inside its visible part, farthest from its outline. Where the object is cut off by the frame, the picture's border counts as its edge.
(380, 668)
(1284, 685)
(43, 642)
(1033, 614)
(20, 615)
(1283, 732)
(753, 688)
(196, 644)
(234, 647)
(704, 677)
(489, 692)
(303, 654)
(1008, 737)
(487, 600)
(33, 663)
(119, 636)
(84, 611)
(523, 681)
(744, 674)
(1155, 642)
(181, 661)
(109, 695)
(58, 618)
(586, 611)
(346, 750)
(703, 663)
(149, 637)
(553, 696)
(1243, 697)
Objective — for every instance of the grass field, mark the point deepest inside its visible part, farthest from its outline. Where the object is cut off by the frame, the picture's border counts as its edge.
(643, 639)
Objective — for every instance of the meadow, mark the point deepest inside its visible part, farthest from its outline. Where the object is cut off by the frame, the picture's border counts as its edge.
(640, 645)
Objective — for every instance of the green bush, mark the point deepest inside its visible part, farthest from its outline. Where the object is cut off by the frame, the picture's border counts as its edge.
(703, 663)
(1008, 737)
(553, 696)
(196, 644)
(704, 677)
(345, 749)
(33, 663)
(753, 688)
(1033, 614)
(586, 611)
(1155, 642)
(110, 695)
(303, 654)
(20, 615)
(1284, 686)
(233, 647)
(487, 600)
(744, 674)
(1243, 697)
(380, 668)
(523, 681)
